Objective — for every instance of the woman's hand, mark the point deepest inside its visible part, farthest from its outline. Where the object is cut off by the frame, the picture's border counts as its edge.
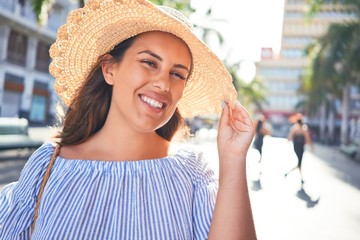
(235, 133)
(232, 217)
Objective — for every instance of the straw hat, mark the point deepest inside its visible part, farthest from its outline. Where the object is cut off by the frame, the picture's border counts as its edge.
(101, 24)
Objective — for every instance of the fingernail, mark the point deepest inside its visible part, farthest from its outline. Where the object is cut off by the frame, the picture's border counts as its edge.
(223, 104)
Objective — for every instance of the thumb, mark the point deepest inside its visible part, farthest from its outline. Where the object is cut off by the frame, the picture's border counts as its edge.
(225, 116)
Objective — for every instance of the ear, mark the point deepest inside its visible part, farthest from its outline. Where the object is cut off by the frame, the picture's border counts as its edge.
(108, 67)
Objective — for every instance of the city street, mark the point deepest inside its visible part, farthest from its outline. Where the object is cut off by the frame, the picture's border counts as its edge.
(294, 65)
(327, 207)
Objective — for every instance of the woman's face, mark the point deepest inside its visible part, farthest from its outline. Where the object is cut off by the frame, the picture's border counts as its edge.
(149, 81)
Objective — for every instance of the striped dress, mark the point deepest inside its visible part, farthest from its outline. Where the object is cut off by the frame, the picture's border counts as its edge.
(165, 198)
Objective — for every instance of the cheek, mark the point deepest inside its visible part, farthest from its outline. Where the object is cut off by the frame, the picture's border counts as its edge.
(178, 91)
(131, 81)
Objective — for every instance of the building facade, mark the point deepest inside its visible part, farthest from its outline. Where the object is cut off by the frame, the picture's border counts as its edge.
(26, 87)
(283, 73)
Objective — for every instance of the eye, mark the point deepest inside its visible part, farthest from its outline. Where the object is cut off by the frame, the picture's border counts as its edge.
(178, 75)
(149, 63)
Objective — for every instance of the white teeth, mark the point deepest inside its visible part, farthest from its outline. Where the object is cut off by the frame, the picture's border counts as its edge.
(152, 102)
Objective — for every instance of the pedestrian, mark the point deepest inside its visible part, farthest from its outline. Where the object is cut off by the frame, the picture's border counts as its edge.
(261, 131)
(299, 134)
(128, 71)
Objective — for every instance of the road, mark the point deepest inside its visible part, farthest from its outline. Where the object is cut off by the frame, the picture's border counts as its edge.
(327, 207)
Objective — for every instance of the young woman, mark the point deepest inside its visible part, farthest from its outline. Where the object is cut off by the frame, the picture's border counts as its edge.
(128, 72)
(260, 132)
(300, 136)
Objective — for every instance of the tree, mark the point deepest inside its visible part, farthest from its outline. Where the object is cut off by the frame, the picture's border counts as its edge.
(42, 8)
(314, 6)
(182, 5)
(335, 62)
(252, 93)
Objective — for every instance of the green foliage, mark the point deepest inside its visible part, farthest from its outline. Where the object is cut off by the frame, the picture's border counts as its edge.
(181, 5)
(334, 63)
(41, 9)
(252, 93)
(314, 6)
(334, 58)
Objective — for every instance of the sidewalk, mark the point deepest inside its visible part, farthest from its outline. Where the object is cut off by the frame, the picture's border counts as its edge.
(327, 207)
(347, 169)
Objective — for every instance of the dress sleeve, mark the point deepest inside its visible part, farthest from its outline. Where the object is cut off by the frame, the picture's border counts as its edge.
(206, 186)
(18, 199)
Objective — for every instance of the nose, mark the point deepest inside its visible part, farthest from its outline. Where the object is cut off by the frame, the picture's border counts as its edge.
(162, 82)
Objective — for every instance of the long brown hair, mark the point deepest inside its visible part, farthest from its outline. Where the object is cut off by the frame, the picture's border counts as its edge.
(88, 111)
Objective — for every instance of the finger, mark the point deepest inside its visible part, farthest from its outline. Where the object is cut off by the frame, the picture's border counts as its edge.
(225, 116)
(241, 114)
(240, 126)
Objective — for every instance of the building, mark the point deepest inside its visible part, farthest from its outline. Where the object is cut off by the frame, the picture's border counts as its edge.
(282, 74)
(26, 87)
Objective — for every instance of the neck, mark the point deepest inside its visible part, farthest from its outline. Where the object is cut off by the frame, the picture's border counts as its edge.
(124, 144)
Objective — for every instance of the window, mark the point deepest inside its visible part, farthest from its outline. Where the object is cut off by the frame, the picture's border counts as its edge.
(292, 53)
(301, 40)
(17, 48)
(39, 103)
(42, 57)
(280, 72)
(56, 17)
(38, 108)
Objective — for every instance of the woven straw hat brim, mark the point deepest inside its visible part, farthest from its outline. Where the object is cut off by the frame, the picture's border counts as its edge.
(95, 29)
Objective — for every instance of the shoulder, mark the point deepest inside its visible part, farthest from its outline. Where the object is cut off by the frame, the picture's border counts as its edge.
(194, 162)
(189, 156)
(33, 170)
(40, 157)
(305, 127)
(17, 200)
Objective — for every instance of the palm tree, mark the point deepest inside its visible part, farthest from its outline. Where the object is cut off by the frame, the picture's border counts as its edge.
(314, 6)
(335, 63)
(320, 89)
(183, 5)
(42, 8)
(252, 93)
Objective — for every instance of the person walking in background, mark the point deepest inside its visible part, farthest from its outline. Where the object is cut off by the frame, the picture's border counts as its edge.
(300, 136)
(260, 132)
(129, 72)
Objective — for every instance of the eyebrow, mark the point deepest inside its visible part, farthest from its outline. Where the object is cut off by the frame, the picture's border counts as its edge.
(160, 59)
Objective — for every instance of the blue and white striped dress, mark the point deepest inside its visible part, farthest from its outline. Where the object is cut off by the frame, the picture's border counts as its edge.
(165, 198)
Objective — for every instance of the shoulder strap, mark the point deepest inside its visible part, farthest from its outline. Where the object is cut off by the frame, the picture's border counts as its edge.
(43, 183)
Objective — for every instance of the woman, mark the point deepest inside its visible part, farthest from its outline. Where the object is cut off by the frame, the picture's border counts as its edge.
(260, 132)
(128, 72)
(300, 136)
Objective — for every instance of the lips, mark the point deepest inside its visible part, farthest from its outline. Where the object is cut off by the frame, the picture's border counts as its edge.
(152, 102)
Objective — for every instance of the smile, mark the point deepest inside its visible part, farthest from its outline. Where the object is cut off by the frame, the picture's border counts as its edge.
(152, 102)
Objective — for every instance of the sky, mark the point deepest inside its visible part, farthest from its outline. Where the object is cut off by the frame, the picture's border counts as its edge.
(247, 26)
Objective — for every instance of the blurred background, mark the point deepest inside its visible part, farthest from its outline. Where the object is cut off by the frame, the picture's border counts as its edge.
(286, 57)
